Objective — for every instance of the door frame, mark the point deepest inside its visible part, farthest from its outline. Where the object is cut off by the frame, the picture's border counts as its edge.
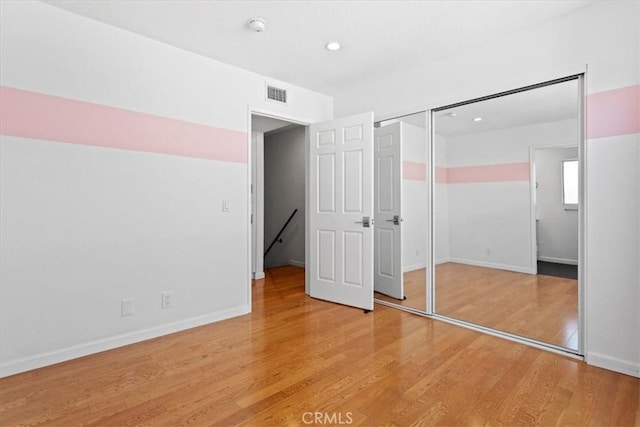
(580, 352)
(533, 197)
(251, 111)
(279, 116)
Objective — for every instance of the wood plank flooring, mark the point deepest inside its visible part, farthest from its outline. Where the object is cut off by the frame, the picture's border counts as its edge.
(544, 308)
(294, 355)
(541, 307)
(415, 290)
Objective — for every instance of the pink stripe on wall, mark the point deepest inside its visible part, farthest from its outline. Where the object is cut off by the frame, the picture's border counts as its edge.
(414, 171)
(441, 175)
(39, 116)
(489, 173)
(613, 112)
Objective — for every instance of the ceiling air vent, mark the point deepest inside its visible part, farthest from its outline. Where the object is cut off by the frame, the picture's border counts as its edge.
(276, 94)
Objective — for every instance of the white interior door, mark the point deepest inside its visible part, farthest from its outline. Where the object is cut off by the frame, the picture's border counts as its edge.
(387, 270)
(340, 205)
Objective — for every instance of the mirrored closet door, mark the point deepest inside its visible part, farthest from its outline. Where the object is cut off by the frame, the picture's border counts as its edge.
(506, 212)
(400, 198)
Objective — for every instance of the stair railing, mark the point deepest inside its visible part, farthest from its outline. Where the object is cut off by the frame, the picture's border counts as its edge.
(278, 239)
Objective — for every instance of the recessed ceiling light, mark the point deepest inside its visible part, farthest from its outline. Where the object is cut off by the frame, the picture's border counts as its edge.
(451, 114)
(332, 46)
(477, 119)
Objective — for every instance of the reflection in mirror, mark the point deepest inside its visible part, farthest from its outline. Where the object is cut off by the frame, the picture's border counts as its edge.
(400, 200)
(506, 213)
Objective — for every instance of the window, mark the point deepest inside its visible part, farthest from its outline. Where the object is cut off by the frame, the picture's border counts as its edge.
(570, 184)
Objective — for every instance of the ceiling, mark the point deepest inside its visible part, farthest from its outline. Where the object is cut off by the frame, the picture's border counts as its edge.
(540, 105)
(376, 35)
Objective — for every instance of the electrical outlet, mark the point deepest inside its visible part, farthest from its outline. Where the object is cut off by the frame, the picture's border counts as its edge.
(126, 307)
(487, 251)
(167, 299)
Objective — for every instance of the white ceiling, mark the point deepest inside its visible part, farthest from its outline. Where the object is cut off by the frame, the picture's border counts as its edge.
(376, 35)
(540, 105)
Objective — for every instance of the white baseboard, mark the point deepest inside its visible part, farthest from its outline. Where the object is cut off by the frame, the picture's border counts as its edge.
(62, 355)
(558, 260)
(413, 267)
(296, 263)
(258, 275)
(441, 261)
(613, 364)
(514, 268)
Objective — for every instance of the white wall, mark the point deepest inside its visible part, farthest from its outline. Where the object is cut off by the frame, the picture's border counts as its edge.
(284, 191)
(83, 227)
(414, 199)
(557, 235)
(490, 223)
(604, 40)
(507, 145)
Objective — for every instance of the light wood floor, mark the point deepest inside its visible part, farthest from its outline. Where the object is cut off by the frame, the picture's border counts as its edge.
(544, 308)
(415, 290)
(294, 354)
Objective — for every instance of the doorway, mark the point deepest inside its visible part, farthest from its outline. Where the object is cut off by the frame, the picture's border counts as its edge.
(555, 192)
(338, 193)
(277, 194)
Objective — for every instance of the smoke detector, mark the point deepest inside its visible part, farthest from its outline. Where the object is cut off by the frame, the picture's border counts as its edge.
(257, 24)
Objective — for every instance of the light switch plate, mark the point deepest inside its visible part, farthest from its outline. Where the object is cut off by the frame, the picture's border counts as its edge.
(126, 307)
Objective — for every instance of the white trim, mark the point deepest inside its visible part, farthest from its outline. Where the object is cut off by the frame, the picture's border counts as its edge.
(275, 115)
(256, 177)
(613, 364)
(515, 268)
(430, 243)
(511, 337)
(73, 352)
(296, 263)
(413, 267)
(307, 204)
(250, 248)
(533, 206)
(582, 214)
(558, 260)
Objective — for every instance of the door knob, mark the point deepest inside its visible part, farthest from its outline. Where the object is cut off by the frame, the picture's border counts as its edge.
(365, 222)
(396, 220)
